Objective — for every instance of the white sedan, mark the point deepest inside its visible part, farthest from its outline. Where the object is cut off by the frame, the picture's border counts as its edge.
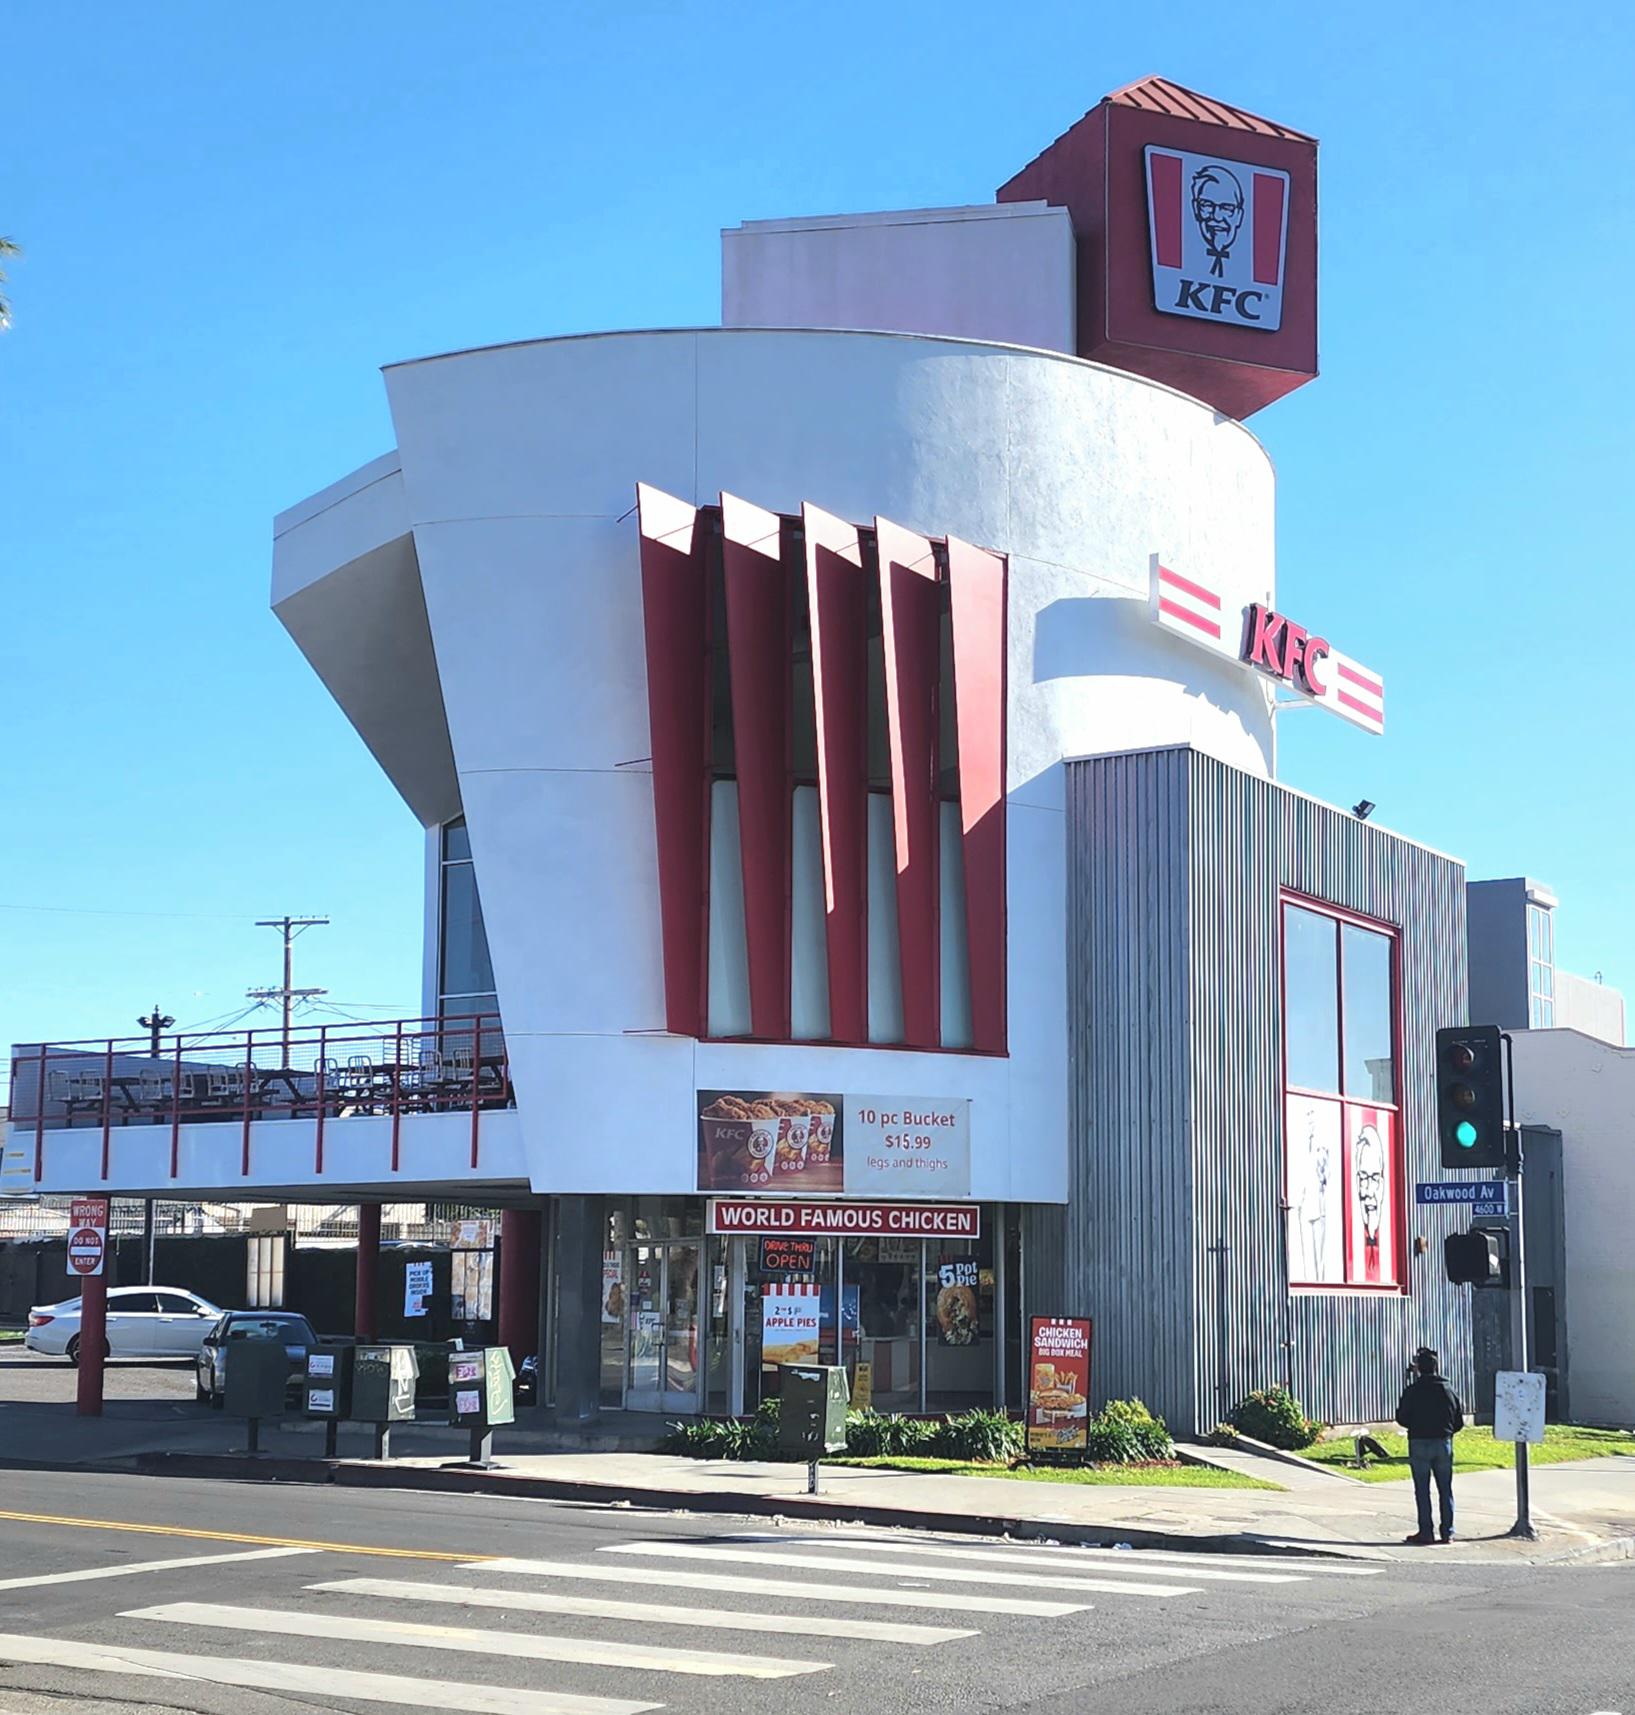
(143, 1322)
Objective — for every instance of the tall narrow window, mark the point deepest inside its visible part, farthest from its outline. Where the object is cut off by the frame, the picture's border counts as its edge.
(465, 974)
(1541, 968)
(1343, 1173)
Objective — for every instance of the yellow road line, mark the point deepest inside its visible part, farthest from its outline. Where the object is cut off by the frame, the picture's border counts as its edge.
(241, 1536)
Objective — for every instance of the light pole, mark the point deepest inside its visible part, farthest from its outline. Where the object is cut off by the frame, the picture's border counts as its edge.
(155, 1022)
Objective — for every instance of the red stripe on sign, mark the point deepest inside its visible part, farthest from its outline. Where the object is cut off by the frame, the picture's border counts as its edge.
(1268, 228)
(1360, 708)
(1361, 679)
(1207, 597)
(1164, 175)
(1176, 611)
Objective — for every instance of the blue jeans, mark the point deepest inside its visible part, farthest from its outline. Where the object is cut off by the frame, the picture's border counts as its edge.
(1427, 1459)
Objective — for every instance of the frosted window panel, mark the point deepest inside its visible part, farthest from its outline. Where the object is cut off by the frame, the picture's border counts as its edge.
(809, 954)
(885, 972)
(956, 953)
(729, 952)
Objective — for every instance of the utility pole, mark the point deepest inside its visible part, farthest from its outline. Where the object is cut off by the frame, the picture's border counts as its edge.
(289, 927)
(1523, 1526)
(153, 1024)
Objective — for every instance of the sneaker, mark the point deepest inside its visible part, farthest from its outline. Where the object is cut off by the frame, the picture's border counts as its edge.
(1420, 1539)
(1447, 1536)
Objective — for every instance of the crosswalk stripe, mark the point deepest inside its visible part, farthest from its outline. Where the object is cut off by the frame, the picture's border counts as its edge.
(649, 1613)
(472, 1639)
(892, 1569)
(864, 1595)
(132, 1568)
(1128, 1563)
(301, 1679)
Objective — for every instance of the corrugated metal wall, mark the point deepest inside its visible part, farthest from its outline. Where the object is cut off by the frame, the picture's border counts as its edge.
(1128, 1251)
(1176, 864)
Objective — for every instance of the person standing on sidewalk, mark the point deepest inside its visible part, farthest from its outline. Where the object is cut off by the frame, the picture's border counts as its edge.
(1431, 1413)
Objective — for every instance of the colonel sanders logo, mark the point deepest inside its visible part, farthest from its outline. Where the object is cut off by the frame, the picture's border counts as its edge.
(1219, 232)
(1217, 206)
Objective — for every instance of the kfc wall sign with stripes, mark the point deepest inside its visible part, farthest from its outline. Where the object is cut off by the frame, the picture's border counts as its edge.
(1219, 230)
(1260, 637)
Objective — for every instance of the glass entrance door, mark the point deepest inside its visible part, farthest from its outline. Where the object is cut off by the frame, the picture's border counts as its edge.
(663, 1370)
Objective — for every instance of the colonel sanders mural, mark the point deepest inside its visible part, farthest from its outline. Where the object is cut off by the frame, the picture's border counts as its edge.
(1217, 207)
(1368, 1175)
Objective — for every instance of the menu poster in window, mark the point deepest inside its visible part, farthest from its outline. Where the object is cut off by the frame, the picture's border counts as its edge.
(956, 1314)
(1316, 1192)
(790, 1318)
(613, 1287)
(1058, 1383)
(473, 1286)
(1373, 1216)
(770, 1140)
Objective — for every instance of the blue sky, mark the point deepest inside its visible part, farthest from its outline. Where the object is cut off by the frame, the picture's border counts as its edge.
(234, 215)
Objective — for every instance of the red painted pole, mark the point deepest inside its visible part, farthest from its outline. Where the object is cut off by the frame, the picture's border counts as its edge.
(519, 1282)
(364, 1304)
(93, 1331)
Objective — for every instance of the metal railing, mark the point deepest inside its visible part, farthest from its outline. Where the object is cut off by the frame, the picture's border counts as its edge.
(326, 1073)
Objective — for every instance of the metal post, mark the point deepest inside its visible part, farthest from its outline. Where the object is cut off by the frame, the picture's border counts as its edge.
(332, 1437)
(254, 1430)
(383, 1441)
(1523, 1526)
(812, 1477)
(482, 1447)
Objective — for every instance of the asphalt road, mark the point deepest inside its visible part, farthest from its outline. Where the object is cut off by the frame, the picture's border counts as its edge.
(244, 1599)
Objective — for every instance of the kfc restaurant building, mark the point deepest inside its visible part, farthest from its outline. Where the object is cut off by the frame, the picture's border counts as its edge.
(857, 722)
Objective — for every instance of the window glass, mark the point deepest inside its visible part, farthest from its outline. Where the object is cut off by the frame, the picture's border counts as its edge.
(1366, 965)
(133, 1304)
(466, 965)
(456, 841)
(173, 1304)
(803, 707)
(1311, 1000)
(959, 1323)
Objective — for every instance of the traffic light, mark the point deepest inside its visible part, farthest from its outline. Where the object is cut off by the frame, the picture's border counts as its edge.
(1470, 1096)
(1480, 1257)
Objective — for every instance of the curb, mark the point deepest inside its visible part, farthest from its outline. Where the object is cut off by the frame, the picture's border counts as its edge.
(365, 1474)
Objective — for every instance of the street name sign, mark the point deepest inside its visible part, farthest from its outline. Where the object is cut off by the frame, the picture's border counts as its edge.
(1488, 1196)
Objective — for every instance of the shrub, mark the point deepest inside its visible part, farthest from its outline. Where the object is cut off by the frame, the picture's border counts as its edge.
(710, 1438)
(873, 1435)
(1274, 1415)
(985, 1437)
(1124, 1432)
(1222, 1435)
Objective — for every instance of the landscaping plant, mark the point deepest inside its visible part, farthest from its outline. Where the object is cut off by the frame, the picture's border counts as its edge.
(1275, 1416)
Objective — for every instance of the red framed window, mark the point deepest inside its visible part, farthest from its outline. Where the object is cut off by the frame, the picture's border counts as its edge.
(1343, 1172)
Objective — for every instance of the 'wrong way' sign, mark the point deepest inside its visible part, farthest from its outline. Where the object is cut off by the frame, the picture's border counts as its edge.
(88, 1235)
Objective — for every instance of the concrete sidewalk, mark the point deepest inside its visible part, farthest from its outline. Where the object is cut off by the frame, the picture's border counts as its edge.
(1585, 1508)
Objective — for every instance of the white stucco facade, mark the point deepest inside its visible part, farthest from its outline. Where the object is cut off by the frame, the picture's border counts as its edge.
(483, 584)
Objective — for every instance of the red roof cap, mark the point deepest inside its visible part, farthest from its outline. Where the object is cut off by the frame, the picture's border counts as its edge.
(1160, 95)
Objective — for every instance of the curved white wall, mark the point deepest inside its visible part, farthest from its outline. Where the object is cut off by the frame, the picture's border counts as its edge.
(519, 467)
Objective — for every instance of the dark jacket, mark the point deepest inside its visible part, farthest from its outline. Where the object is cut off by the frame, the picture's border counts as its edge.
(1430, 1410)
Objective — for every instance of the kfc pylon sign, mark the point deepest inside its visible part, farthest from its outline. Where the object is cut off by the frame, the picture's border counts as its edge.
(1262, 638)
(1219, 232)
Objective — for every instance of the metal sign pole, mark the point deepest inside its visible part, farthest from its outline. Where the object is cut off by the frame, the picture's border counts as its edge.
(1523, 1526)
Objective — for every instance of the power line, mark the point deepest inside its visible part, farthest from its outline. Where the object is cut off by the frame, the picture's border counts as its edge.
(93, 911)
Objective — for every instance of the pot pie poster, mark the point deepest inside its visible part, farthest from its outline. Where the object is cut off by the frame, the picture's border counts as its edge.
(770, 1140)
(1058, 1383)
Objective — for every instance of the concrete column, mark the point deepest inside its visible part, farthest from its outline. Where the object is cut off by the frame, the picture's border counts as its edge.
(519, 1282)
(364, 1315)
(93, 1331)
(579, 1310)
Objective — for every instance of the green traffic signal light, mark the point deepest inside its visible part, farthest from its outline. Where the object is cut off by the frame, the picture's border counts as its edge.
(1465, 1132)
